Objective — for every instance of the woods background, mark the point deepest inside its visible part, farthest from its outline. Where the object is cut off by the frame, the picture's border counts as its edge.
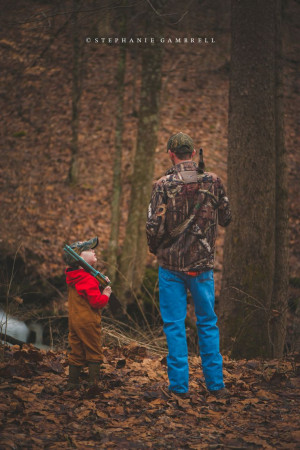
(83, 135)
(71, 110)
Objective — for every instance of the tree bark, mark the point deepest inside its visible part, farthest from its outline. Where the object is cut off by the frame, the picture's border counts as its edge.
(132, 261)
(76, 94)
(250, 243)
(112, 254)
(281, 275)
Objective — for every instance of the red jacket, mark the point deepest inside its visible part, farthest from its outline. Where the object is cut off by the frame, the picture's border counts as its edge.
(86, 286)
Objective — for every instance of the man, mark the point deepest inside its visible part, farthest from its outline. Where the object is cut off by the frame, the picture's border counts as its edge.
(185, 208)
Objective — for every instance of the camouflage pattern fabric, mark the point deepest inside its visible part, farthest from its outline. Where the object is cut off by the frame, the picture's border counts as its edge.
(79, 247)
(183, 215)
(180, 143)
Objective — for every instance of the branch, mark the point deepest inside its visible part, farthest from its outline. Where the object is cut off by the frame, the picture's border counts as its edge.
(71, 12)
(163, 15)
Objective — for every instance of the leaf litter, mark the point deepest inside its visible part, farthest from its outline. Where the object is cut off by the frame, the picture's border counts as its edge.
(132, 408)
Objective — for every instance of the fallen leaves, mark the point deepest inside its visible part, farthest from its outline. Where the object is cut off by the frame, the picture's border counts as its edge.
(265, 395)
(131, 407)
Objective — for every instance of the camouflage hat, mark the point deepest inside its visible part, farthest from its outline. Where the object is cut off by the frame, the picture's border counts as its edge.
(79, 247)
(180, 143)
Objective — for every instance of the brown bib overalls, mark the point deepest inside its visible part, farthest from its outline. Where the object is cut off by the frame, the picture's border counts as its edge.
(84, 330)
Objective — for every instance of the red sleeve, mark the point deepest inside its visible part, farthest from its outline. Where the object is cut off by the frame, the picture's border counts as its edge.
(88, 287)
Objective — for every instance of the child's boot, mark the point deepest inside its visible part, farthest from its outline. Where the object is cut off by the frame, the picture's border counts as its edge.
(74, 373)
(94, 368)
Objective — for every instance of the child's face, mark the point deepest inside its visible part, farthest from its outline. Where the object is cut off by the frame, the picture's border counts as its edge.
(89, 256)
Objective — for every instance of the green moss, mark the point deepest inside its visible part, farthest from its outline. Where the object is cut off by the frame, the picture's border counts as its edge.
(293, 304)
(150, 281)
(19, 134)
(295, 282)
(148, 298)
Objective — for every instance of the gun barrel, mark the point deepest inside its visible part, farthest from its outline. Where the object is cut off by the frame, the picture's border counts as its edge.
(201, 164)
(98, 275)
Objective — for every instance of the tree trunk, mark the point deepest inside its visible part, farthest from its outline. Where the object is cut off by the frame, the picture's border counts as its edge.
(281, 275)
(132, 261)
(113, 245)
(76, 94)
(249, 252)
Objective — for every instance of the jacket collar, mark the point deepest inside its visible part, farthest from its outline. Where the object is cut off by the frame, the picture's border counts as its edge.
(180, 167)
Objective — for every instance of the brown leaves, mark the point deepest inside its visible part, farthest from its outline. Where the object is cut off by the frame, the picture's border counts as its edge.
(132, 405)
(18, 300)
(23, 393)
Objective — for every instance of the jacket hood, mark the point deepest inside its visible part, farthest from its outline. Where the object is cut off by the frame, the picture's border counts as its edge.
(73, 276)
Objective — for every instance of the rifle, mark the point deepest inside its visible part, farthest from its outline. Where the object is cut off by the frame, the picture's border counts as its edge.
(98, 275)
(201, 165)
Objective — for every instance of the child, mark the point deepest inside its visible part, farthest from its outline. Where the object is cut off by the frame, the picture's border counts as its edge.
(85, 300)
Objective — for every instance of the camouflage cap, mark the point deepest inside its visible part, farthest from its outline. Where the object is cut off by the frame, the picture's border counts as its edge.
(180, 143)
(79, 247)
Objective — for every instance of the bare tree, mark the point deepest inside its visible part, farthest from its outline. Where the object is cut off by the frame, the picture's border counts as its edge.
(281, 274)
(253, 301)
(76, 91)
(133, 257)
(112, 253)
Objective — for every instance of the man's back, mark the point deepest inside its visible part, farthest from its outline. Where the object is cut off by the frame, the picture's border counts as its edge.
(183, 215)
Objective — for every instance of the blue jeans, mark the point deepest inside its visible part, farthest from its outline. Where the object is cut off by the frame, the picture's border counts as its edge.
(173, 302)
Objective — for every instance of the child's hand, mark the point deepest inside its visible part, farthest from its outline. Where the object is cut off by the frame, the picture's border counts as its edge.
(107, 291)
(107, 279)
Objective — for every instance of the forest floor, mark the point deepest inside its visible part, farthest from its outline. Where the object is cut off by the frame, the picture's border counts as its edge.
(131, 407)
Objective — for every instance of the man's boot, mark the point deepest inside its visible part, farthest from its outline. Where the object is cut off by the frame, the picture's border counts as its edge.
(221, 393)
(74, 373)
(94, 368)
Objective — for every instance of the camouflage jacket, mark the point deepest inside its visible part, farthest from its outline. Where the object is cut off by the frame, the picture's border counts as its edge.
(183, 215)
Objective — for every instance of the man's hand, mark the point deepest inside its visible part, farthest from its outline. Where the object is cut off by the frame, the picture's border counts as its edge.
(107, 291)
